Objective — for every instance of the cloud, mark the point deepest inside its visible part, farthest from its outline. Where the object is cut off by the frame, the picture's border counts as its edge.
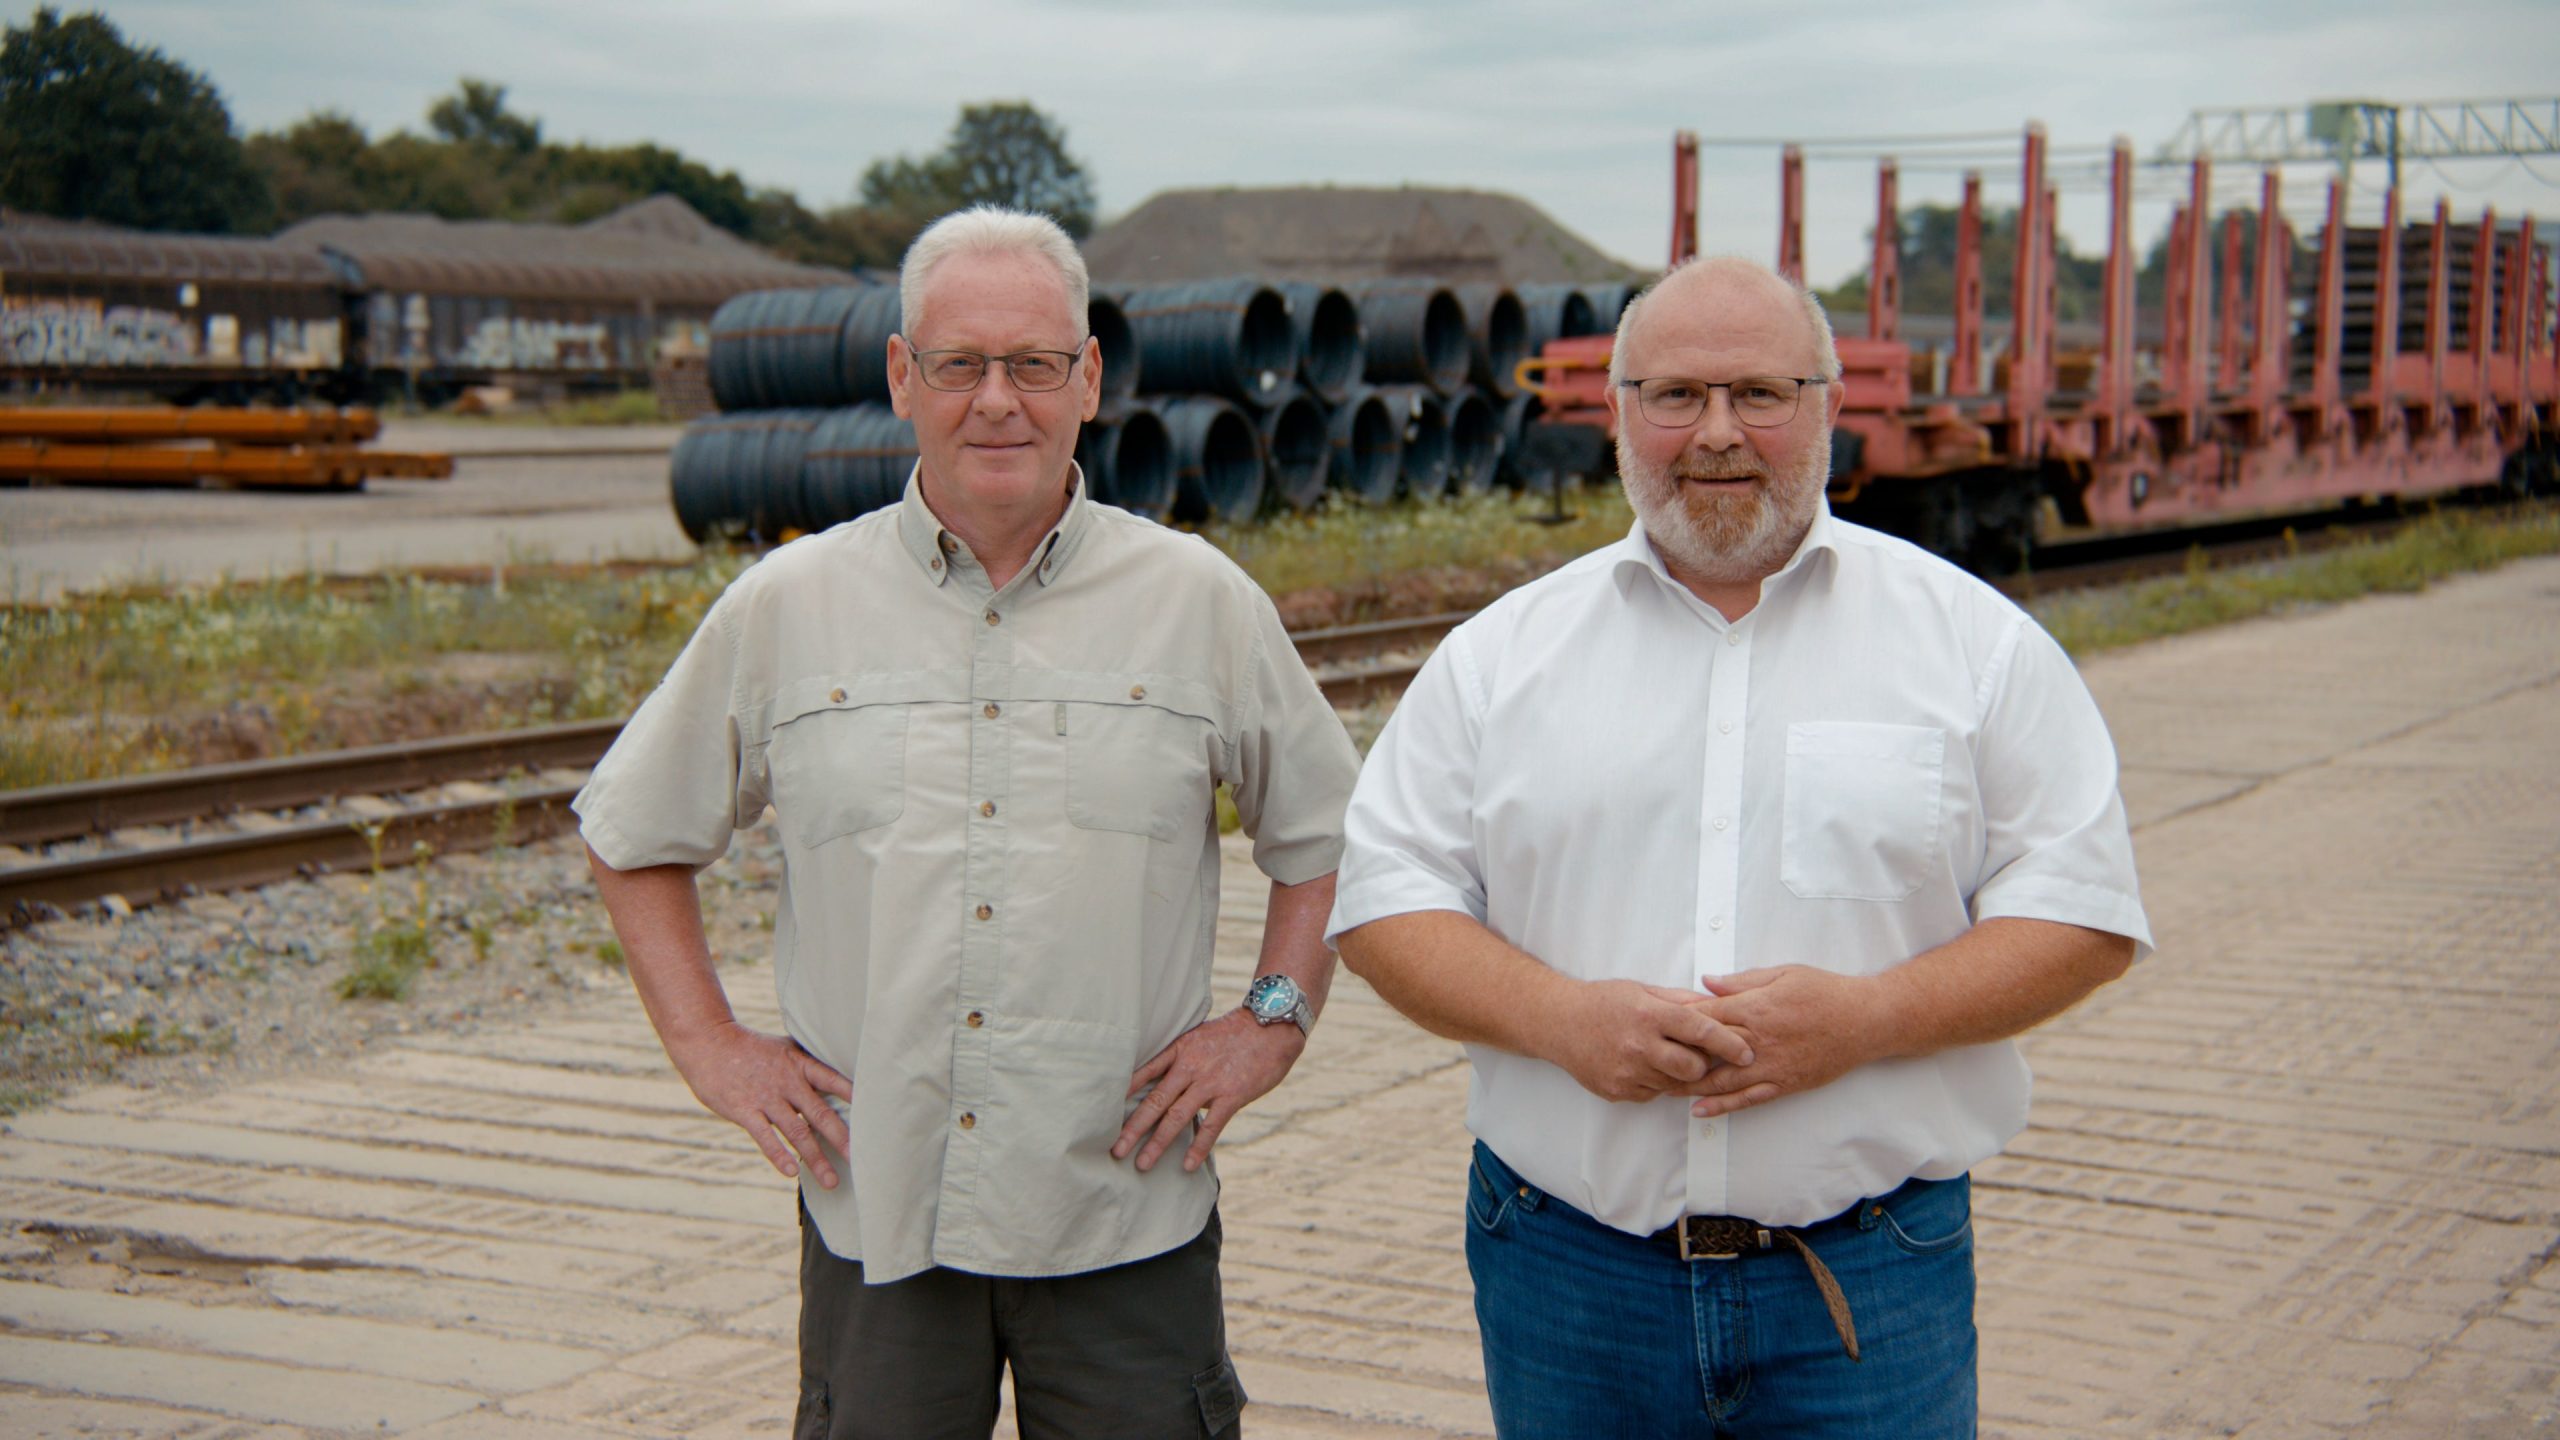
(1573, 109)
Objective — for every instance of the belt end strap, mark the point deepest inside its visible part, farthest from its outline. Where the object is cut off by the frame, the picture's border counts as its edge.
(1833, 1298)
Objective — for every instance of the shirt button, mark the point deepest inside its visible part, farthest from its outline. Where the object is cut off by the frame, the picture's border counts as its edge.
(1137, 692)
(1720, 822)
(986, 807)
(1724, 727)
(935, 562)
(988, 912)
(836, 695)
(991, 711)
(1707, 1131)
(1714, 922)
(977, 1018)
(948, 544)
(968, 1120)
(992, 617)
(1733, 637)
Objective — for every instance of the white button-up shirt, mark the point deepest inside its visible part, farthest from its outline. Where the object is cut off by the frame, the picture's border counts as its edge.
(1611, 777)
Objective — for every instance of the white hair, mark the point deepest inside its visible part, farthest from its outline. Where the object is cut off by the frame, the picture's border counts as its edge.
(1826, 354)
(989, 230)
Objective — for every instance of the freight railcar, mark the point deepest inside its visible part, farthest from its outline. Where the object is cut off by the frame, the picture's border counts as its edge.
(362, 307)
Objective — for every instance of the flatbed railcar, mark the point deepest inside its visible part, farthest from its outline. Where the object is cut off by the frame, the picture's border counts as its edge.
(2404, 361)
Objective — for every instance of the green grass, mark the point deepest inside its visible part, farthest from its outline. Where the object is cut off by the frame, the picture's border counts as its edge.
(158, 678)
(1356, 546)
(152, 679)
(2434, 548)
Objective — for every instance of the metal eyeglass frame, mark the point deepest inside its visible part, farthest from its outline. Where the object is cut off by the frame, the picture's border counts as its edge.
(1712, 386)
(924, 370)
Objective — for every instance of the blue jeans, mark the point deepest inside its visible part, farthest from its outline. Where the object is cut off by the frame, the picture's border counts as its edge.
(1591, 1333)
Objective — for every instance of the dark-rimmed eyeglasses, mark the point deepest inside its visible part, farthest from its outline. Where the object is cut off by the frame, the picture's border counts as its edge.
(1762, 400)
(1029, 370)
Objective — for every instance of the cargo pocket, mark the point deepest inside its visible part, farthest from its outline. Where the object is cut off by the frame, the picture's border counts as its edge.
(1137, 767)
(837, 767)
(1221, 1399)
(813, 1420)
(1861, 815)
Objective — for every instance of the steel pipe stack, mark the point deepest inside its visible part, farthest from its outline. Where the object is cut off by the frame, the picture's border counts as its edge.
(1217, 457)
(1224, 337)
(1295, 450)
(1475, 442)
(1513, 423)
(1330, 347)
(1128, 460)
(1608, 299)
(1497, 336)
(1417, 334)
(857, 461)
(1109, 326)
(783, 349)
(1554, 312)
(737, 477)
(1366, 440)
(1424, 418)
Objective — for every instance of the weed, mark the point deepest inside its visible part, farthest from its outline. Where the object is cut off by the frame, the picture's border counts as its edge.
(2432, 549)
(390, 950)
(145, 1037)
(609, 952)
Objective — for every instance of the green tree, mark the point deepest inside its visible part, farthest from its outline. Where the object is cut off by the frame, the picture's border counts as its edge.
(317, 167)
(1005, 153)
(477, 114)
(94, 128)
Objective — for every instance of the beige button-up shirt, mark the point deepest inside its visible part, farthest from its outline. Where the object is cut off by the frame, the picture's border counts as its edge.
(1000, 852)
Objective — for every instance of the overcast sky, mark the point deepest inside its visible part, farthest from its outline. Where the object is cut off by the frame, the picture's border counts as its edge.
(1572, 107)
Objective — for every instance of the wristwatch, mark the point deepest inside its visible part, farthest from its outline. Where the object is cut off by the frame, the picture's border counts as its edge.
(1275, 998)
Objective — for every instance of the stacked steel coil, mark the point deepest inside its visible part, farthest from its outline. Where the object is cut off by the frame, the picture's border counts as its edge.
(1257, 395)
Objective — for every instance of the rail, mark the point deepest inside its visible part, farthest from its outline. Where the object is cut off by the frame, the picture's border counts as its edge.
(521, 781)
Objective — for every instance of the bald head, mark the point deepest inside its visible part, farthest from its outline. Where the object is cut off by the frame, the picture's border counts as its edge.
(1728, 293)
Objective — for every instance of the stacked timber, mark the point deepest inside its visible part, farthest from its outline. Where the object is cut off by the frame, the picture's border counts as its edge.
(316, 448)
(1222, 399)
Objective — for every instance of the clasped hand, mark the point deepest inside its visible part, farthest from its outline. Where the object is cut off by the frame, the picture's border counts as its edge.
(1745, 1040)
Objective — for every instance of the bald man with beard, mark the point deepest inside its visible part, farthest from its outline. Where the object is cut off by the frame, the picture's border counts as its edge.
(1736, 853)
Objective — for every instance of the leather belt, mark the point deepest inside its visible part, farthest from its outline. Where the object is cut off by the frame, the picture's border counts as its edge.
(1725, 1237)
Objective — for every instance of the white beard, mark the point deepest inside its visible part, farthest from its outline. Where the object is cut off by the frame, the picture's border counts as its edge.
(1725, 539)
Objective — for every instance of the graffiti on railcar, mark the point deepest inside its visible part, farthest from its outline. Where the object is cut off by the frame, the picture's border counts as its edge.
(76, 332)
(502, 342)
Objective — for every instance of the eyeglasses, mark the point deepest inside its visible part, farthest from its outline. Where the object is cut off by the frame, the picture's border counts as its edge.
(1030, 370)
(1761, 401)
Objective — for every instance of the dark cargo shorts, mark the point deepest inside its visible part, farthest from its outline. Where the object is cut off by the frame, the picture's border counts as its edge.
(1132, 1352)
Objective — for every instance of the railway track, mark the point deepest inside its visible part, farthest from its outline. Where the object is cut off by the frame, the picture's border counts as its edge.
(226, 827)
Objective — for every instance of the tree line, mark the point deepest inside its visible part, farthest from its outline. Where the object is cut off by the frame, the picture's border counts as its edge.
(93, 127)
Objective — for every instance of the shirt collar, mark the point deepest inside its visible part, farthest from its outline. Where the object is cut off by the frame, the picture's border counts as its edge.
(1636, 552)
(931, 545)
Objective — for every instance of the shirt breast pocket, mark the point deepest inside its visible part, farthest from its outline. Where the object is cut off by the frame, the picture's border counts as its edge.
(1137, 767)
(1861, 815)
(838, 769)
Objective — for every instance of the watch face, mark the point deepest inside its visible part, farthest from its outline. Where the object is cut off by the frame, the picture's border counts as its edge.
(1272, 997)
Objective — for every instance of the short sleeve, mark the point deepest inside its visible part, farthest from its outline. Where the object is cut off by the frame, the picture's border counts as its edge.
(1409, 837)
(672, 789)
(2057, 844)
(1294, 764)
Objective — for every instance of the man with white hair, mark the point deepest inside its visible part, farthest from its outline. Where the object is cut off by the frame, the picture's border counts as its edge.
(1736, 852)
(990, 720)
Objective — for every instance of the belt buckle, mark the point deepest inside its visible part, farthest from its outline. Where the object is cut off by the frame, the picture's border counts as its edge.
(1688, 1240)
